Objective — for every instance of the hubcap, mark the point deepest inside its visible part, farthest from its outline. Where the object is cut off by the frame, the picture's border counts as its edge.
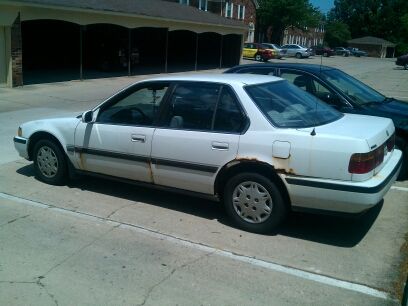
(252, 202)
(47, 161)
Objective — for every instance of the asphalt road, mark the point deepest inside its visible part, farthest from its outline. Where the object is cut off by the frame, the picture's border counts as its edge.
(96, 242)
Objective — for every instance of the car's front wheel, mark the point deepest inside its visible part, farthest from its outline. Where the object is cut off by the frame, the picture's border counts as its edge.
(49, 162)
(258, 57)
(254, 203)
(298, 55)
(406, 66)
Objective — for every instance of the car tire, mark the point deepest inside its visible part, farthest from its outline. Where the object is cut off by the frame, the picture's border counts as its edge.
(325, 54)
(298, 55)
(258, 57)
(254, 203)
(400, 144)
(406, 66)
(49, 162)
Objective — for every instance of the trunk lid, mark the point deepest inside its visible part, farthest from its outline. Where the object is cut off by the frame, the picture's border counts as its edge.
(374, 130)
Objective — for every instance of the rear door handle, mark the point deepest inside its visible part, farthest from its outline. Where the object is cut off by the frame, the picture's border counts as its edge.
(138, 138)
(220, 145)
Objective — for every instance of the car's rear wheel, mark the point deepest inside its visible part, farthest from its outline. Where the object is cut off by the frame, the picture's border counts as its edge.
(49, 162)
(298, 55)
(254, 203)
(258, 57)
(325, 54)
(406, 66)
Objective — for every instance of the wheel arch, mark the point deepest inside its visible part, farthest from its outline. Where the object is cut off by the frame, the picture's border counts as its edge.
(239, 166)
(35, 137)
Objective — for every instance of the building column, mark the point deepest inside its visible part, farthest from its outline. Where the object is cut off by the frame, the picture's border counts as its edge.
(196, 53)
(16, 54)
(81, 69)
(167, 51)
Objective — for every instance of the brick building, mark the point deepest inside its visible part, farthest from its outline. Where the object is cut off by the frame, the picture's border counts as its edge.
(59, 40)
(307, 37)
(243, 10)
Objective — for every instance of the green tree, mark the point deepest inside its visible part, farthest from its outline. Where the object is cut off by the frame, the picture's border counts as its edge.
(279, 14)
(381, 18)
(337, 34)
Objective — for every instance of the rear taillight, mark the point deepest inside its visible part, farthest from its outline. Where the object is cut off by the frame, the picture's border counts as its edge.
(391, 143)
(361, 163)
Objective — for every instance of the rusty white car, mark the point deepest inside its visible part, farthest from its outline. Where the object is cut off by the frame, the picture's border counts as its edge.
(258, 143)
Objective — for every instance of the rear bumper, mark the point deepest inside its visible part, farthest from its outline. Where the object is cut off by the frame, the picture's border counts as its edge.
(21, 145)
(344, 196)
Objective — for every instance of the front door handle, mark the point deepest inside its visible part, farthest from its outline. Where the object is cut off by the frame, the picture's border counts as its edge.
(138, 138)
(224, 146)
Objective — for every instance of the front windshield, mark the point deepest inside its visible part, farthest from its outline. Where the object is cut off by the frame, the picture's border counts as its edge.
(353, 88)
(287, 106)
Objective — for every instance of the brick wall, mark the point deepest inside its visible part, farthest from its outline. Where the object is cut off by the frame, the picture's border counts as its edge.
(307, 38)
(16, 53)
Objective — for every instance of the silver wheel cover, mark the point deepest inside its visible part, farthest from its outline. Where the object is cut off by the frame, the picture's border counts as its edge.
(252, 202)
(47, 161)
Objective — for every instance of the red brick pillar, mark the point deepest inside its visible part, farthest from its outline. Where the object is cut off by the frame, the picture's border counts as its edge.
(16, 53)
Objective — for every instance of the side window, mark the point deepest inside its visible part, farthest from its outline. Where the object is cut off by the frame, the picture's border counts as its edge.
(296, 78)
(228, 117)
(140, 107)
(192, 106)
(246, 46)
(325, 94)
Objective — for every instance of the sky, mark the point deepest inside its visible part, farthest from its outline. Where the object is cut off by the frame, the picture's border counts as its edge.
(324, 5)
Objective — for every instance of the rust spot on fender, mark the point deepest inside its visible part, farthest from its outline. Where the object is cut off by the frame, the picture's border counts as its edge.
(279, 164)
(246, 158)
(150, 171)
(81, 161)
(285, 171)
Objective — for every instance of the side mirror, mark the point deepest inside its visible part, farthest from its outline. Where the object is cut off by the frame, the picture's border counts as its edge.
(87, 116)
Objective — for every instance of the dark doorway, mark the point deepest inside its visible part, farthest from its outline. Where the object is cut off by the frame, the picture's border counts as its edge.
(148, 50)
(50, 51)
(231, 50)
(209, 51)
(181, 51)
(105, 51)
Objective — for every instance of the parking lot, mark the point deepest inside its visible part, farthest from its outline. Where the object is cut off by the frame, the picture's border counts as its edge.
(97, 242)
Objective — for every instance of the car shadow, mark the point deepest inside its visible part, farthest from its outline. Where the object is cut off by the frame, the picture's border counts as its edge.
(342, 231)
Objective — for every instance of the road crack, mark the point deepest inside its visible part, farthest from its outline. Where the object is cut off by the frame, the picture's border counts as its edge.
(168, 276)
(79, 250)
(14, 220)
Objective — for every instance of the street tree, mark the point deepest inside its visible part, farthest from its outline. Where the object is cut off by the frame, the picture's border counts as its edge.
(277, 15)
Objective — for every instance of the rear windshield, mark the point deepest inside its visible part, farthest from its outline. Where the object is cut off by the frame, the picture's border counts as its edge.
(287, 106)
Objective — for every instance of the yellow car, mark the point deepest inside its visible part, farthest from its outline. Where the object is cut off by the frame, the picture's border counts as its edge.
(258, 52)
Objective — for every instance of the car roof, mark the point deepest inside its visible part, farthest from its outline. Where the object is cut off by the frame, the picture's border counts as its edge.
(313, 68)
(237, 79)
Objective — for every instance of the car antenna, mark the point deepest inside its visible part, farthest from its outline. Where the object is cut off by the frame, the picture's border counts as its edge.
(313, 133)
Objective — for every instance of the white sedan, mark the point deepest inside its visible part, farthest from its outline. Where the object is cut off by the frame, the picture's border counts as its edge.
(258, 143)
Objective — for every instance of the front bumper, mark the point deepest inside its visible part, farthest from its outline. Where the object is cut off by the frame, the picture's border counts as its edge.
(344, 196)
(21, 145)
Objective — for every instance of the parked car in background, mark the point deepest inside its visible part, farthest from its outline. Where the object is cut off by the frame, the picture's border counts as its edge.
(402, 61)
(324, 51)
(356, 52)
(277, 48)
(296, 51)
(258, 52)
(342, 92)
(342, 51)
(259, 143)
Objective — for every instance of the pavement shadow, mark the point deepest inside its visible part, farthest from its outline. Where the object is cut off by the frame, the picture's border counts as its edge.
(342, 231)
